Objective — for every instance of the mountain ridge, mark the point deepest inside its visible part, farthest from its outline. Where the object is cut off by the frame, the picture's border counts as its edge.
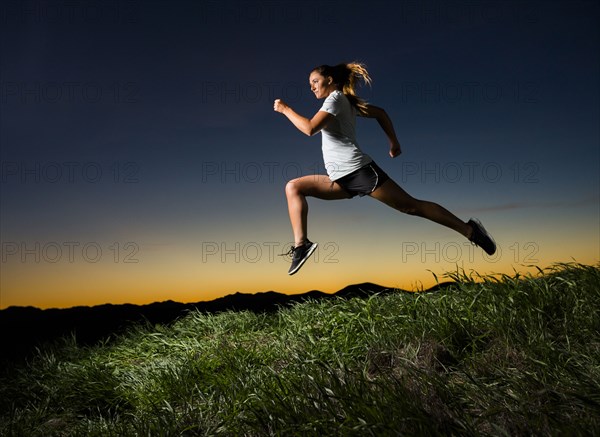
(26, 327)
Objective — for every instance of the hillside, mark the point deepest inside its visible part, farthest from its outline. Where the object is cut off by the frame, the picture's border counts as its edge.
(30, 327)
(508, 355)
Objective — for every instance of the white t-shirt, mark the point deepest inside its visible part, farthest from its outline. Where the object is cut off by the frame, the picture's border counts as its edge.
(341, 152)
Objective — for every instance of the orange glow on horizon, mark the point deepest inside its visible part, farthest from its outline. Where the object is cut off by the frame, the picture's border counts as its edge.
(404, 256)
(68, 285)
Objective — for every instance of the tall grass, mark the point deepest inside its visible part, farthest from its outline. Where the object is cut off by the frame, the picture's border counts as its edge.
(502, 355)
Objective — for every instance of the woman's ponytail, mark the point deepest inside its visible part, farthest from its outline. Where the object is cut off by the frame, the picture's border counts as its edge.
(356, 72)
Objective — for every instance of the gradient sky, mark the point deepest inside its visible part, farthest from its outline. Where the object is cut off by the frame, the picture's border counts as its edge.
(141, 159)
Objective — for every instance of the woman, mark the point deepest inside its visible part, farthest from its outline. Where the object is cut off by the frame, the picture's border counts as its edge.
(350, 171)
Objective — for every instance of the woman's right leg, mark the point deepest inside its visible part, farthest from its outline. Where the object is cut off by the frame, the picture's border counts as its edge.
(393, 195)
(296, 191)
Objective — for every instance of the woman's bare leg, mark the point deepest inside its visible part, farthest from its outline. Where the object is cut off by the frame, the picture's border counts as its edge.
(391, 194)
(296, 191)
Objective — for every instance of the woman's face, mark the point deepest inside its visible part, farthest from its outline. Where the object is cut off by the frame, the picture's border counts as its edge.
(320, 85)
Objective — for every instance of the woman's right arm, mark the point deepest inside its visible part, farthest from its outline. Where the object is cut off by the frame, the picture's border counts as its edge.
(386, 124)
(304, 125)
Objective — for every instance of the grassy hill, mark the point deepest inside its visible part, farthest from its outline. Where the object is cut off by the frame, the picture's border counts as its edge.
(500, 355)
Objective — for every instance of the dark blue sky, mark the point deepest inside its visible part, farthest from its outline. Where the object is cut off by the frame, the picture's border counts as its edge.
(152, 121)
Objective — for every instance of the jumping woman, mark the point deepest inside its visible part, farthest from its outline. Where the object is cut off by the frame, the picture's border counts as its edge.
(351, 172)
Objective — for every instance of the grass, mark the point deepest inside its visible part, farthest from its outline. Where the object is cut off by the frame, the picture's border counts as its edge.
(500, 355)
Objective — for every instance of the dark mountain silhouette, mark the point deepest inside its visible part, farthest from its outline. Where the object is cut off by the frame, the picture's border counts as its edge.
(24, 328)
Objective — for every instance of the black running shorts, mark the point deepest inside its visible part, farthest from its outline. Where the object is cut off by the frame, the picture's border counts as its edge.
(364, 180)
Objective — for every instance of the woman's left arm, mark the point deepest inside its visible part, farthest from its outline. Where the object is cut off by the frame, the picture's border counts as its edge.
(304, 125)
(386, 124)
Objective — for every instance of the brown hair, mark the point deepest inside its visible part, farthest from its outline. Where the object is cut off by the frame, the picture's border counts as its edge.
(346, 77)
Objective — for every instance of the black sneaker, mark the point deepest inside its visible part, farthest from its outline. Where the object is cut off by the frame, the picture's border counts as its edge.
(299, 255)
(481, 238)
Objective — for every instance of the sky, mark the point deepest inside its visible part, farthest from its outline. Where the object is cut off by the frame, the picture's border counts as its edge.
(141, 159)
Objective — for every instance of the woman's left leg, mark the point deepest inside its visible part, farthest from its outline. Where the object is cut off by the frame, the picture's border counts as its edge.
(393, 195)
(297, 190)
